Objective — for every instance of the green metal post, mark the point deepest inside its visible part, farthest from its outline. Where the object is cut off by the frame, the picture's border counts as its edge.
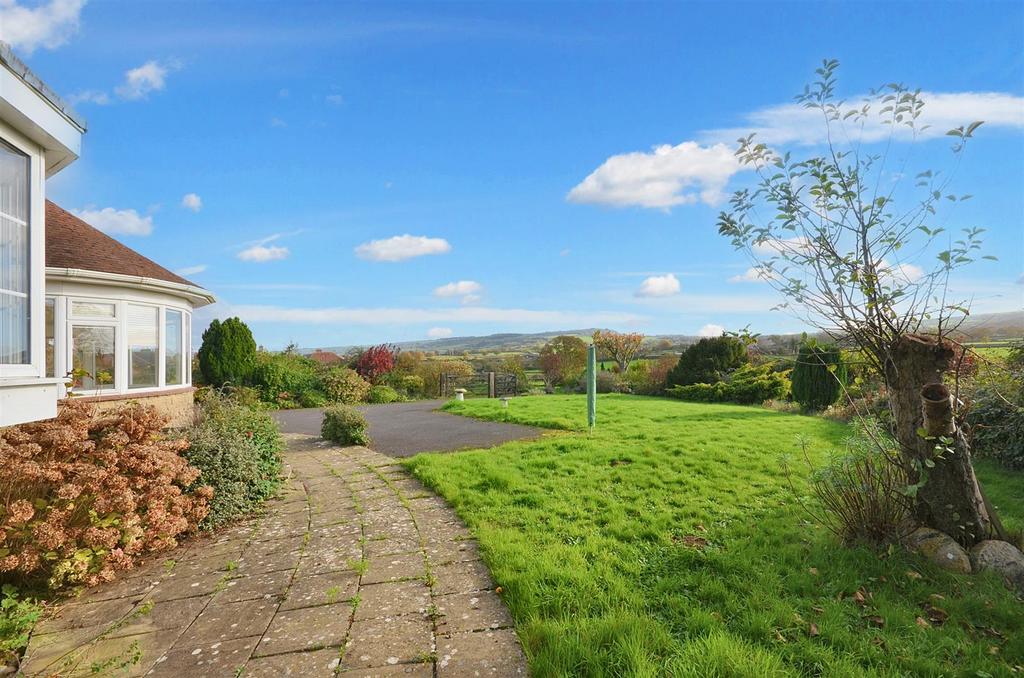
(592, 386)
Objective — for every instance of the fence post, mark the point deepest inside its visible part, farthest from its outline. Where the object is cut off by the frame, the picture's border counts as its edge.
(491, 390)
(442, 386)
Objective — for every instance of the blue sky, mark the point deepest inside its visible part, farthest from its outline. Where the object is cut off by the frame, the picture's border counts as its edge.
(310, 131)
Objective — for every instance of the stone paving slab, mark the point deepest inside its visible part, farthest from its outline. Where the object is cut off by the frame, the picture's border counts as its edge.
(357, 571)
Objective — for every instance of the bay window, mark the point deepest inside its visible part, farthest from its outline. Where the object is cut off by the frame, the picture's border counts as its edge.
(15, 257)
(94, 357)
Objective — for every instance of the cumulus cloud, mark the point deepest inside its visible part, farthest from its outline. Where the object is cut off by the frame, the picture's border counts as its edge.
(192, 270)
(665, 177)
(659, 286)
(113, 221)
(754, 274)
(402, 247)
(469, 291)
(711, 330)
(48, 25)
(192, 202)
(774, 246)
(263, 253)
(699, 170)
(149, 77)
(440, 332)
(1020, 280)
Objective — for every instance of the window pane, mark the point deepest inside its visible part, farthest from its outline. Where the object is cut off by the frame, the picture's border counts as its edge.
(51, 346)
(142, 345)
(172, 351)
(14, 257)
(92, 353)
(90, 309)
(188, 348)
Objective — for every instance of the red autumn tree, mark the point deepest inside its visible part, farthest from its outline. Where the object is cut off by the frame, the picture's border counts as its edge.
(621, 347)
(376, 361)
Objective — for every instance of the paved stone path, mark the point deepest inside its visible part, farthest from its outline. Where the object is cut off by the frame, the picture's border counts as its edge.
(355, 571)
(405, 429)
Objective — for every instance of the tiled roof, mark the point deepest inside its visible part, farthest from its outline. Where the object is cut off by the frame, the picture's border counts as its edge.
(326, 357)
(72, 243)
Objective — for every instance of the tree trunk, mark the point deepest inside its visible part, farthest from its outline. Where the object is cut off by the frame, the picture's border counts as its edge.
(949, 498)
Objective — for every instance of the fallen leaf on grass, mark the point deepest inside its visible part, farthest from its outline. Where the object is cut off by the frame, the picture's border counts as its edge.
(936, 615)
(813, 571)
(922, 623)
(913, 575)
(691, 540)
(875, 620)
(819, 610)
(814, 630)
(858, 597)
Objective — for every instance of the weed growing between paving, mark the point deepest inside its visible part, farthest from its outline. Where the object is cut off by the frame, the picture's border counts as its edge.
(668, 542)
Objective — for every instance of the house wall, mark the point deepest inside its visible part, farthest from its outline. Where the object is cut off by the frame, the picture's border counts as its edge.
(176, 404)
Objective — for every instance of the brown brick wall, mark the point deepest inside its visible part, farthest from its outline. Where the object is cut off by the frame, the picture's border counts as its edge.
(176, 405)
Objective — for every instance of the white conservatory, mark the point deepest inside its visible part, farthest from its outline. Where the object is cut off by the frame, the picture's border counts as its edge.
(116, 323)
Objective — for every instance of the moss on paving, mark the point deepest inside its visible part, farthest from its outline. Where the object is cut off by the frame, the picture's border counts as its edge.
(667, 543)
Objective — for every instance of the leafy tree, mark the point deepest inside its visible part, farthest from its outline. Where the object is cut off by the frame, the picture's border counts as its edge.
(621, 347)
(375, 362)
(707, 361)
(819, 375)
(827, 232)
(228, 353)
(563, 360)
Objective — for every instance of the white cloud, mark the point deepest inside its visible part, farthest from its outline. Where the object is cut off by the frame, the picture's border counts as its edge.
(513, 317)
(89, 96)
(754, 274)
(794, 124)
(402, 247)
(192, 270)
(566, 252)
(1020, 280)
(262, 253)
(192, 201)
(334, 99)
(440, 332)
(149, 77)
(659, 286)
(665, 177)
(284, 93)
(278, 122)
(710, 330)
(48, 25)
(112, 221)
(469, 290)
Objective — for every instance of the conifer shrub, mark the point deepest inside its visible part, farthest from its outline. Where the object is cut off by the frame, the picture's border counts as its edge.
(818, 376)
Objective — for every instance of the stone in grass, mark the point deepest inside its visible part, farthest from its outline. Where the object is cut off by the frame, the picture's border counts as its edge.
(940, 548)
(1002, 557)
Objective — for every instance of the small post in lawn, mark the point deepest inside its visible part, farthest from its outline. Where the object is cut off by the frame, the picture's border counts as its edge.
(591, 386)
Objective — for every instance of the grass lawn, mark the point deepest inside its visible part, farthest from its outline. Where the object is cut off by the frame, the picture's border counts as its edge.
(667, 543)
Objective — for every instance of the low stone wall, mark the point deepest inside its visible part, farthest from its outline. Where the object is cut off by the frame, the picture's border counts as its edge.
(176, 404)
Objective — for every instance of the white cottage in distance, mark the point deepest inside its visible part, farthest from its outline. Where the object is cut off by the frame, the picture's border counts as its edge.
(73, 300)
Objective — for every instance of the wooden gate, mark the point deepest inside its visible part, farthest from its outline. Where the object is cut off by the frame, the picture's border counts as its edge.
(479, 385)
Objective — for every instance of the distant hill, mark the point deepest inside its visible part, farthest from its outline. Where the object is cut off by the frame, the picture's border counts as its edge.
(981, 327)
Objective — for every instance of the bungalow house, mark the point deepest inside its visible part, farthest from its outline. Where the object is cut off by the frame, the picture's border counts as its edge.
(326, 358)
(77, 308)
(39, 136)
(120, 324)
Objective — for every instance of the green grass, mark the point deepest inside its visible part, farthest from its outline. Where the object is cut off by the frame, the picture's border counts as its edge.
(596, 542)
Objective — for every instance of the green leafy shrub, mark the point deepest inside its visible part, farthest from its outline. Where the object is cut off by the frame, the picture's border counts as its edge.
(284, 379)
(18, 616)
(995, 416)
(607, 382)
(818, 376)
(237, 450)
(344, 425)
(747, 386)
(411, 384)
(228, 353)
(344, 385)
(708, 361)
(383, 394)
(312, 399)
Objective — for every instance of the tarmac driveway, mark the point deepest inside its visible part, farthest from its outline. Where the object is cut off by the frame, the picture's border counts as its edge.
(405, 429)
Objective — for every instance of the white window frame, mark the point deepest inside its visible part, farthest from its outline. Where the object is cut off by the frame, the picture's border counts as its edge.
(36, 367)
(66, 322)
